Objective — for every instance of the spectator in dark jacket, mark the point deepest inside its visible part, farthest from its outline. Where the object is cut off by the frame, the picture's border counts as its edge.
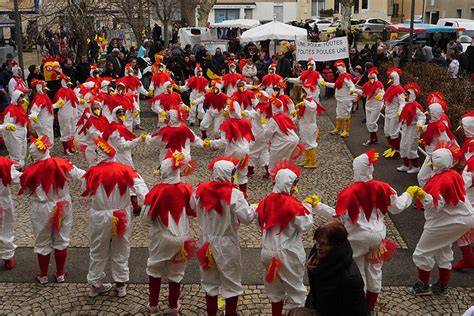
(201, 53)
(336, 286)
(218, 62)
(283, 66)
(83, 69)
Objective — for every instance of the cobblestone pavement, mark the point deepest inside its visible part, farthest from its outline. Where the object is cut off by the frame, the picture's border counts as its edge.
(72, 299)
(333, 174)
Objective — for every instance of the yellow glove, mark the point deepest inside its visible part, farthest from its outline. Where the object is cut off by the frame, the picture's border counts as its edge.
(421, 194)
(60, 104)
(34, 118)
(225, 114)
(157, 172)
(313, 200)
(186, 108)
(243, 114)
(136, 113)
(286, 79)
(176, 87)
(192, 102)
(143, 137)
(294, 113)
(412, 190)
(263, 121)
(163, 115)
(82, 101)
(25, 104)
(10, 128)
(206, 143)
(150, 92)
(379, 97)
(323, 83)
(352, 91)
(420, 129)
(300, 104)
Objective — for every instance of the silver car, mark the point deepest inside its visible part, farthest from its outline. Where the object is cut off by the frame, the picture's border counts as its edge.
(373, 24)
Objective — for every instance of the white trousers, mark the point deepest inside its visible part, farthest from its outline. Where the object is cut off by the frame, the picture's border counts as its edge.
(372, 117)
(7, 233)
(16, 144)
(392, 127)
(212, 121)
(409, 142)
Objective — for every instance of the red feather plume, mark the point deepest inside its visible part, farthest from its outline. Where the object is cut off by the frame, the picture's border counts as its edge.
(119, 222)
(458, 155)
(221, 158)
(284, 164)
(58, 215)
(372, 156)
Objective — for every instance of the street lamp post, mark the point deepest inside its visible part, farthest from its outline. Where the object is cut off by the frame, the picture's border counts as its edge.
(18, 37)
(410, 39)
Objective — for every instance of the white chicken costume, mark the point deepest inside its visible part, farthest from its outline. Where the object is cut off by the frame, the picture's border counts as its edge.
(394, 101)
(17, 82)
(167, 210)
(8, 175)
(198, 86)
(271, 79)
(312, 79)
(374, 91)
(362, 207)
(344, 88)
(158, 80)
(307, 112)
(448, 216)
(231, 79)
(67, 114)
(215, 101)
(236, 135)
(411, 119)
(42, 111)
(46, 182)
(106, 94)
(221, 208)
(126, 101)
(283, 220)
(135, 87)
(108, 184)
(435, 132)
(15, 127)
(281, 132)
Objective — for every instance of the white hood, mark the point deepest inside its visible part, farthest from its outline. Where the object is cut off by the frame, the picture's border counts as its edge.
(284, 181)
(363, 170)
(223, 170)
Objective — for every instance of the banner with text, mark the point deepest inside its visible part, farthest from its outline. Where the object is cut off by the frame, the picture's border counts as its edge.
(334, 49)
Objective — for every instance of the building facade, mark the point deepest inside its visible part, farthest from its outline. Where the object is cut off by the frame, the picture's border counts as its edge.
(437, 9)
(400, 10)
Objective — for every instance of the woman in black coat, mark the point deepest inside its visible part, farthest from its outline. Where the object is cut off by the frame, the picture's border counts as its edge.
(336, 286)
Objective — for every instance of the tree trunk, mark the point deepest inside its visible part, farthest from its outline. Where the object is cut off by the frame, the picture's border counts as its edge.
(188, 13)
(205, 7)
(165, 33)
(346, 8)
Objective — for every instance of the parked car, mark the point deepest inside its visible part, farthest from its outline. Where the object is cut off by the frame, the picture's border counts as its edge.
(336, 25)
(429, 34)
(373, 24)
(418, 19)
(467, 25)
(322, 24)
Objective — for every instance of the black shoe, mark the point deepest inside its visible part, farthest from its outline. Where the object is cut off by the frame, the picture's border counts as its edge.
(439, 290)
(421, 288)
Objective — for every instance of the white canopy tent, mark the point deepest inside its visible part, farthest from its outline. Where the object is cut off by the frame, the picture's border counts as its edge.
(273, 31)
(239, 23)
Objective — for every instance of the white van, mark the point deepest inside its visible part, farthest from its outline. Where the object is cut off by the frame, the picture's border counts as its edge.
(467, 25)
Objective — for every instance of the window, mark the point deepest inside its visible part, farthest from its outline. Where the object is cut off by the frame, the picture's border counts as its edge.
(459, 13)
(336, 6)
(356, 6)
(316, 6)
(248, 13)
(472, 13)
(365, 4)
(226, 14)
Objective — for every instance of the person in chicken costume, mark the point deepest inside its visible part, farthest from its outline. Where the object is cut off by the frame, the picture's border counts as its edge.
(8, 175)
(307, 112)
(167, 210)
(236, 134)
(310, 77)
(46, 183)
(126, 101)
(67, 114)
(394, 101)
(287, 102)
(259, 149)
(198, 85)
(158, 81)
(362, 207)
(123, 141)
(246, 98)
(283, 220)
(106, 93)
(15, 127)
(374, 91)
(215, 101)
(17, 82)
(410, 118)
(108, 184)
(167, 100)
(281, 132)
(94, 75)
(448, 216)
(175, 136)
(231, 79)
(437, 130)
(42, 110)
(221, 208)
(83, 94)
(95, 124)
(466, 241)
(345, 89)
(271, 79)
(134, 87)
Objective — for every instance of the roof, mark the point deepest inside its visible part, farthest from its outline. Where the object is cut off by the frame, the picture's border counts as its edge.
(422, 28)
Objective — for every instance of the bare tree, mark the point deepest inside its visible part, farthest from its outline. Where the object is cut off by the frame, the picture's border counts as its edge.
(166, 10)
(204, 8)
(346, 12)
(134, 13)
